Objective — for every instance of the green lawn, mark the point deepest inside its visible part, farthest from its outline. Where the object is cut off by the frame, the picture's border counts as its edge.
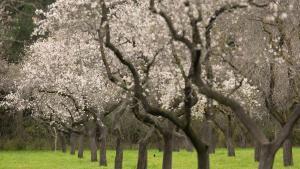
(181, 160)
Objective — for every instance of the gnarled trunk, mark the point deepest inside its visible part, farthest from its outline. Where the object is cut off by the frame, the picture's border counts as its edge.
(288, 152)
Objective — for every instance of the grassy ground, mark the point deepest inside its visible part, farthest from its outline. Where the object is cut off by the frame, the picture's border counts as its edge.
(181, 160)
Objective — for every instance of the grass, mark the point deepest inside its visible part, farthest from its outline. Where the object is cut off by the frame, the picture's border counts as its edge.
(181, 160)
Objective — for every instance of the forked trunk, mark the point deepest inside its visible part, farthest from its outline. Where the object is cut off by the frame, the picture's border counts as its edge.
(267, 155)
(288, 152)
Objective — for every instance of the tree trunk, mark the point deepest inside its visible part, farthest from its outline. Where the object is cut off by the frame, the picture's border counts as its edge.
(143, 155)
(93, 148)
(93, 142)
(63, 142)
(212, 145)
(80, 145)
(54, 144)
(243, 140)
(230, 147)
(229, 140)
(103, 160)
(72, 143)
(267, 155)
(257, 152)
(168, 147)
(188, 145)
(207, 135)
(288, 152)
(203, 158)
(119, 153)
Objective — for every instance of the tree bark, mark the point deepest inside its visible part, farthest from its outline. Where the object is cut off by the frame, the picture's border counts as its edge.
(267, 155)
(168, 148)
(288, 151)
(73, 143)
(119, 153)
(203, 158)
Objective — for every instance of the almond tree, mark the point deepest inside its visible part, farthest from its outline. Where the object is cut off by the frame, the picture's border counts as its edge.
(195, 48)
(128, 36)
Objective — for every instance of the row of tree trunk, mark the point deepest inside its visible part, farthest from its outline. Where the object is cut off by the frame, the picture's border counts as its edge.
(261, 152)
